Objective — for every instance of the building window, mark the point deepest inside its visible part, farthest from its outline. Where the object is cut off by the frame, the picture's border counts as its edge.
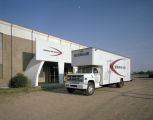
(1, 56)
(26, 58)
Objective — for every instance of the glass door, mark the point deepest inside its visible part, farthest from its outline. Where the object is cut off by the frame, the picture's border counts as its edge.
(52, 74)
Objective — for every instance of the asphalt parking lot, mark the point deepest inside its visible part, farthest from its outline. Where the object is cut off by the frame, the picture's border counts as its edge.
(132, 102)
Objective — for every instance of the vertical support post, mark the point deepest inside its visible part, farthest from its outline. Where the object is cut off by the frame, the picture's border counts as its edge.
(32, 42)
(61, 72)
(11, 51)
(75, 69)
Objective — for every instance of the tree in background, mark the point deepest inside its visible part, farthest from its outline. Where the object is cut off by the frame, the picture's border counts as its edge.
(149, 73)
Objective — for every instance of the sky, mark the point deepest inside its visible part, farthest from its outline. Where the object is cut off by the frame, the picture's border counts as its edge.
(120, 26)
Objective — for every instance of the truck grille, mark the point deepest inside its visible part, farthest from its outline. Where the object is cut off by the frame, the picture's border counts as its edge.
(77, 78)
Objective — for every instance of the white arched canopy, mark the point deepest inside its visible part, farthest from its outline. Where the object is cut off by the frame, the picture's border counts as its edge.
(33, 70)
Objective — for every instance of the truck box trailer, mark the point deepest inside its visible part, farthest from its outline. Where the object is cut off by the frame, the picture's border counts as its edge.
(96, 68)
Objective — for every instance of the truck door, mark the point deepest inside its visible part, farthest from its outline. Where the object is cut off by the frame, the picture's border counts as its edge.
(97, 75)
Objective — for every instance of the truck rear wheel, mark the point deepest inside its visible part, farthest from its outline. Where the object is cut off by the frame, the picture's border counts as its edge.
(70, 90)
(120, 84)
(90, 89)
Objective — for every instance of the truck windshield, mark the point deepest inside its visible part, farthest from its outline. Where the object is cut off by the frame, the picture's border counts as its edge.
(84, 69)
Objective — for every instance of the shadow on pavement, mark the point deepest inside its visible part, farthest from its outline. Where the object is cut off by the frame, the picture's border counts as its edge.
(64, 91)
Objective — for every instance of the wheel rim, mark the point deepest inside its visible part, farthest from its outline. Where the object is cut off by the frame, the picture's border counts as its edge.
(90, 89)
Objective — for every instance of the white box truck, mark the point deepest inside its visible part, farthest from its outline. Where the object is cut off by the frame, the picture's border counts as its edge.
(94, 68)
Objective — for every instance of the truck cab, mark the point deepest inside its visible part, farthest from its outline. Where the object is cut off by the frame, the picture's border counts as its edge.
(87, 78)
(95, 68)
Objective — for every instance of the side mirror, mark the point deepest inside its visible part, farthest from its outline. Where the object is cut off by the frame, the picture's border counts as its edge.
(95, 70)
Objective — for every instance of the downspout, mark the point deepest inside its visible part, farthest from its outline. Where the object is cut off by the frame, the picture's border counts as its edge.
(11, 53)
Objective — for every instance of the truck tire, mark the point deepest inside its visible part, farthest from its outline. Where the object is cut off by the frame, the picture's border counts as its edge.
(90, 89)
(70, 90)
(120, 84)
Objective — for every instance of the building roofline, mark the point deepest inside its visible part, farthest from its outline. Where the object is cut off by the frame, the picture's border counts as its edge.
(40, 32)
(104, 51)
(60, 38)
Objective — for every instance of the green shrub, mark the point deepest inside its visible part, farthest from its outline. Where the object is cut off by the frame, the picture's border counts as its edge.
(20, 80)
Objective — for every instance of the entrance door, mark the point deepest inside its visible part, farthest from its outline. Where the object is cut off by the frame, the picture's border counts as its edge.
(52, 74)
(50, 70)
(97, 75)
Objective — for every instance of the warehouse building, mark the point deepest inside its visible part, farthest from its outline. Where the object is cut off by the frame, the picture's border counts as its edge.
(43, 58)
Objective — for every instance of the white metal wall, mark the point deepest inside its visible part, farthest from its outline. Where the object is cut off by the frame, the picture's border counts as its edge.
(35, 65)
(104, 59)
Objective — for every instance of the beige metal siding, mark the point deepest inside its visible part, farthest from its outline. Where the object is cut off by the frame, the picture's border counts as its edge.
(6, 60)
(1, 59)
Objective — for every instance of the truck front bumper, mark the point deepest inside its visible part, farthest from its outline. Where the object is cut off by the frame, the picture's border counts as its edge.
(76, 86)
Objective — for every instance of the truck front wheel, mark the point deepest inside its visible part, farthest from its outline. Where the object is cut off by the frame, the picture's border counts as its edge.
(90, 89)
(70, 90)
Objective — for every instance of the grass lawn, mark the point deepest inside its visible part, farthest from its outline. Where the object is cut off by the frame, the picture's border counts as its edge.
(13, 91)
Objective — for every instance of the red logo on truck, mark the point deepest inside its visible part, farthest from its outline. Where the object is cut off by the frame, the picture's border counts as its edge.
(112, 67)
(53, 51)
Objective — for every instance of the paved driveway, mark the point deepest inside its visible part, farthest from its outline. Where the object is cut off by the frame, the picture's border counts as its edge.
(132, 102)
